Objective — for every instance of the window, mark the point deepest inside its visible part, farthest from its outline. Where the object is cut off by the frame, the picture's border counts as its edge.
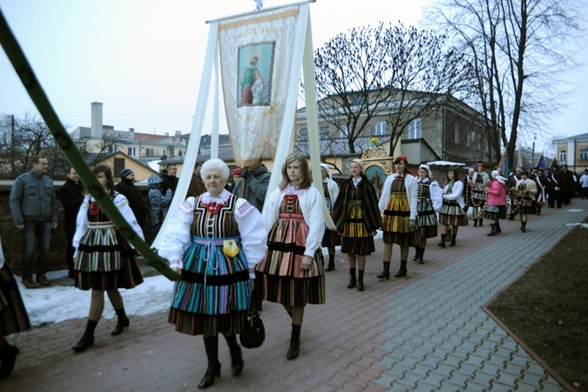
(113, 148)
(119, 165)
(415, 130)
(149, 152)
(563, 156)
(303, 135)
(132, 151)
(324, 133)
(584, 154)
(469, 139)
(381, 128)
(358, 100)
(344, 130)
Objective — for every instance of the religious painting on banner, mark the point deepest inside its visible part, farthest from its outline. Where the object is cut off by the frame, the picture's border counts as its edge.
(256, 61)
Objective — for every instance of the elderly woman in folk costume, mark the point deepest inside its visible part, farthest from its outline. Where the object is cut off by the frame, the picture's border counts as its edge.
(215, 241)
(480, 180)
(430, 200)
(331, 191)
(496, 204)
(451, 213)
(398, 205)
(525, 192)
(357, 219)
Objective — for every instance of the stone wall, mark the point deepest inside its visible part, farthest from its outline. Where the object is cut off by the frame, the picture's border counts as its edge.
(12, 237)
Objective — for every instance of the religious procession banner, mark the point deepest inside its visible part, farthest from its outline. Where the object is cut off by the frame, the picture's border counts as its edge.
(256, 53)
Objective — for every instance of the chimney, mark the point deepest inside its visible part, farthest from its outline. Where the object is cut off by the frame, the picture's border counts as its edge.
(131, 129)
(96, 130)
(178, 134)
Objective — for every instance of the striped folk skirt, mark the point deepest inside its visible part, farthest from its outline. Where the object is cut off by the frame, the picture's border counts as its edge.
(355, 238)
(214, 294)
(13, 315)
(451, 214)
(395, 222)
(105, 260)
(426, 219)
(494, 212)
(284, 281)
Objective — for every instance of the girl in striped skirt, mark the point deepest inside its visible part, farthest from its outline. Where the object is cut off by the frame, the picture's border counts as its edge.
(430, 201)
(292, 270)
(214, 241)
(357, 219)
(398, 204)
(525, 192)
(13, 317)
(452, 213)
(331, 238)
(104, 259)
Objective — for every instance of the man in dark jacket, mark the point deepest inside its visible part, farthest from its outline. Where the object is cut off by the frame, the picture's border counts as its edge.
(253, 184)
(34, 211)
(71, 196)
(127, 187)
(170, 179)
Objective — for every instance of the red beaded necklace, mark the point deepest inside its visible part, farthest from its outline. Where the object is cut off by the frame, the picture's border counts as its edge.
(94, 209)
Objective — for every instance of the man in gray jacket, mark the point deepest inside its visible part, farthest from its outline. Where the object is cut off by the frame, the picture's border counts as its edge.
(34, 211)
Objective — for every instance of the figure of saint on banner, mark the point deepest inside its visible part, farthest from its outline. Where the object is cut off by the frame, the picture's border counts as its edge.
(255, 62)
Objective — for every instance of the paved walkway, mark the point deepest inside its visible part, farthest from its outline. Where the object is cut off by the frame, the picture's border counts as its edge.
(425, 332)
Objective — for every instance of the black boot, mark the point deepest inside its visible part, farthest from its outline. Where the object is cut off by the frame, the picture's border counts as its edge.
(236, 357)
(214, 367)
(442, 243)
(87, 339)
(294, 342)
(385, 274)
(416, 254)
(122, 322)
(492, 231)
(481, 222)
(523, 227)
(402, 270)
(421, 260)
(420, 257)
(498, 230)
(360, 286)
(352, 280)
(8, 355)
(331, 265)
(452, 243)
(475, 222)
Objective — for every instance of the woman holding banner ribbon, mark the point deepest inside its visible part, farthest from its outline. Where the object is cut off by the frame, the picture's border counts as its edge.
(104, 259)
(292, 270)
(215, 241)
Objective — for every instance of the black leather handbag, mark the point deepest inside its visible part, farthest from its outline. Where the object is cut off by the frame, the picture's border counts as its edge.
(254, 333)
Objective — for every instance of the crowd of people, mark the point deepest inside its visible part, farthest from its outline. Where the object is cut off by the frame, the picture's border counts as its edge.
(235, 246)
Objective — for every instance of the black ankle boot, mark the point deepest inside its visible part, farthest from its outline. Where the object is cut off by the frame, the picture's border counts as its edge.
(498, 230)
(8, 355)
(452, 243)
(360, 286)
(87, 339)
(294, 348)
(331, 265)
(421, 255)
(417, 253)
(236, 356)
(481, 222)
(492, 231)
(442, 243)
(523, 227)
(352, 280)
(402, 270)
(214, 367)
(122, 322)
(475, 223)
(385, 274)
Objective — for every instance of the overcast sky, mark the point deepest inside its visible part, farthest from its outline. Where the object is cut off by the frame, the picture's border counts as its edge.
(143, 59)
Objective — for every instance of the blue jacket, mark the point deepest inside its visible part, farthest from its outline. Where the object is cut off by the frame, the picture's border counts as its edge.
(33, 197)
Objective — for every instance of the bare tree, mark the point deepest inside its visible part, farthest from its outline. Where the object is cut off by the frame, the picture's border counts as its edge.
(390, 71)
(521, 49)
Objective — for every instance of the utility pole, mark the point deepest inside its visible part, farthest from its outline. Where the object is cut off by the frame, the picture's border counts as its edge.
(12, 143)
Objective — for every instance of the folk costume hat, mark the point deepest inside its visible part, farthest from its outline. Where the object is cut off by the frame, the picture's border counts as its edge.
(426, 167)
(237, 172)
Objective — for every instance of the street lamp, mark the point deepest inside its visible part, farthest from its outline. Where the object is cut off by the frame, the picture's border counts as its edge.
(533, 151)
